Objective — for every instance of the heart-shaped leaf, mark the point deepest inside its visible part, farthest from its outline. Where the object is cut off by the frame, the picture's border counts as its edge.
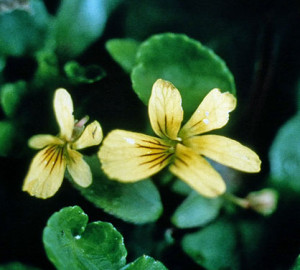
(145, 263)
(196, 210)
(285, 157)
(213, 247)
(193, 68)
(72, 243)
(134, 202)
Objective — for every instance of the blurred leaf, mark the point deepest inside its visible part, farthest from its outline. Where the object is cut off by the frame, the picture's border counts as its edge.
(296, 265)
(79, 74)
(123, 51)
(7, 136)
(145, 263)
(285, 156)
(191, 67)
(79, 23)
(16, 266)
(72, 243)
(181, 187)
(213, 247)
(133, 202)
(196, 211)
(23, 31)
(47, 72)
(10, 5)
(11, 95)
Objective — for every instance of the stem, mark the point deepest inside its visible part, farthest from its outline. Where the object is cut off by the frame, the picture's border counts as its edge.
(244, 203)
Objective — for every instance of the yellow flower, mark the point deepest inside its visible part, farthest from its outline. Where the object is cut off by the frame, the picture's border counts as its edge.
(48, 167)
(130, 156)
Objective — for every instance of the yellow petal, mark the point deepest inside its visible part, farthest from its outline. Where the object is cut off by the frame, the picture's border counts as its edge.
(41, 140)
(165, 109)
(129, 156)
(225, 151)
(46, 172)
(212, 113)
(79, 169)
(92, 135)
(63, 107)
(197, 172)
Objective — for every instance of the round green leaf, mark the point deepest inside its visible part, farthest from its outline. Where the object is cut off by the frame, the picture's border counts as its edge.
(145, 263)
(123, 51)
(72, 243)
(79, 74)
(213, 247)
(190, 66)
(196, 211)
(133, 202)
(285, 156)
(11, 94)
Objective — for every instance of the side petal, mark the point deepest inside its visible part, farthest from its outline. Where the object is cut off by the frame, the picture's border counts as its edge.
(92, 135)
(46, 172)
(79, 169)
(225, 151)
(212, 113)
(63, 108)
(165, 111)
(129, 156)
(41, 140)
(197, 172)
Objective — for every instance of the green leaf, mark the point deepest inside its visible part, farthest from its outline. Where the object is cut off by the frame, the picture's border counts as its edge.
(123, 51)
(213, 247)
(23, 31)
(79, 74)
(196, 211)
(11, 95)
(191, 67)
(79, 23)
(133, 202)
(16, 266)
(72, 243)
(285, 156)
(7, 136)
(47, 73)
(296, 265)
(145, 263)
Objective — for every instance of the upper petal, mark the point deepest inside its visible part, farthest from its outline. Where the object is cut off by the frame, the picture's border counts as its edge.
(165, 109)
(79, 169)
(212, 113)
(129, 156)
(63, 108)
(92, 135)
(225, 151)
(46, 172)
(41, 140)
(197, 172)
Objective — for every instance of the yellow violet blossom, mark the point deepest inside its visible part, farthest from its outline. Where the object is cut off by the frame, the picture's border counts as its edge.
(129, 156)
(48, 167)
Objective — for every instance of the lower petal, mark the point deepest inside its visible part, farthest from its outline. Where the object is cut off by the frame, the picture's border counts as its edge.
(46, 172)
(225, 151)
(197, 172)
(130, 156)
(79, 169)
